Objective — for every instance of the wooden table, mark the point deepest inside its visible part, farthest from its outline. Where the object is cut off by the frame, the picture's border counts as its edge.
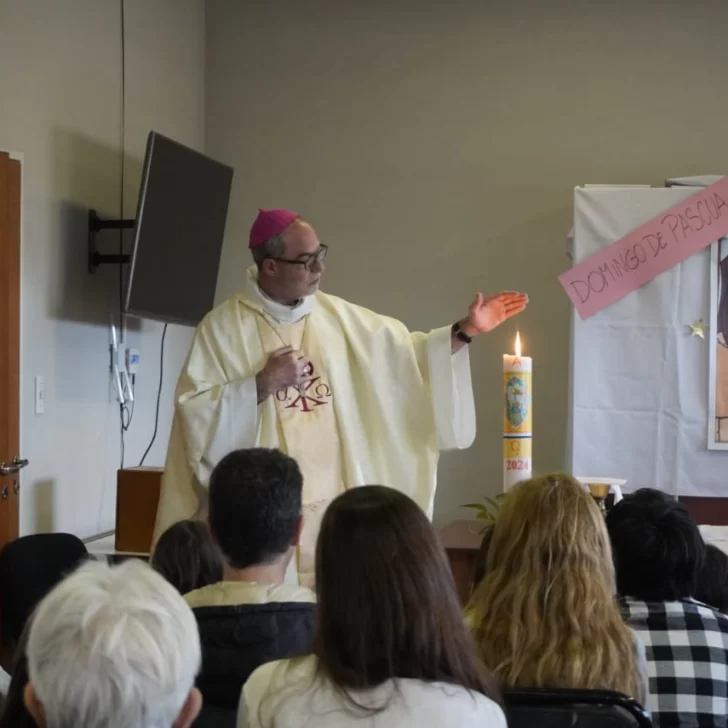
(706, 510)
(103, 548)
(461, 540)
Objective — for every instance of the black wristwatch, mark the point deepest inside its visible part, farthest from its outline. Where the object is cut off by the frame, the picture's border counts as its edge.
(460, 334)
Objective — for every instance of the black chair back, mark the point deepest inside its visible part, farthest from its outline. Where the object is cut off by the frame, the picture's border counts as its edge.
(559, 708)
(213, 716)
(29, 568)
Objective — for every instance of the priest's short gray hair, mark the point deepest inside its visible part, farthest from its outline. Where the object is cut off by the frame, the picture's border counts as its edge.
(113, 647)
(271, 248)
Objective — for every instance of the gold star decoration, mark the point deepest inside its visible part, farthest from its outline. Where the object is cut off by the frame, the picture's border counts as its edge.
(698, 329)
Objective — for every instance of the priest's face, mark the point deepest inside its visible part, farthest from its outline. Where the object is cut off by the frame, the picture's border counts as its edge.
(297, 272)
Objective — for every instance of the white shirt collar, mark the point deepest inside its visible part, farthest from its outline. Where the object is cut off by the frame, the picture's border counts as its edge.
(277, 311)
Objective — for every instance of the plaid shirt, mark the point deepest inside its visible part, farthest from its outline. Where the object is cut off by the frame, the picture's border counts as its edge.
(687, 661)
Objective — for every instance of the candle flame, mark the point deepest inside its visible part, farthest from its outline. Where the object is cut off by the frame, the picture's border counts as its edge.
(518, 343)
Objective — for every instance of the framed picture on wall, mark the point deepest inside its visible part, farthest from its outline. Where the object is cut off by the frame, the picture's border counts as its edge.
(718, 340)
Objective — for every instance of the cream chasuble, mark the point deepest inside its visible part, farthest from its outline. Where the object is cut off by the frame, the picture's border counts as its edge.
(307, 432)
(382, 403)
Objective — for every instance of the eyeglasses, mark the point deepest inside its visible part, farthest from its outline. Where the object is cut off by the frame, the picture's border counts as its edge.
(309, 260)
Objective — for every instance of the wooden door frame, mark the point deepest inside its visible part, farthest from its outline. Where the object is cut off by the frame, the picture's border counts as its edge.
(11, 306)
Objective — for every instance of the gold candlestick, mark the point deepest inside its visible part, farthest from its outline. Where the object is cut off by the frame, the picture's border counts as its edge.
(600, 491)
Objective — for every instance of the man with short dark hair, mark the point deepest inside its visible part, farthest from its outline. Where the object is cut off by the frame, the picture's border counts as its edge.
(658, 553)
(255, 510)
(252, 616)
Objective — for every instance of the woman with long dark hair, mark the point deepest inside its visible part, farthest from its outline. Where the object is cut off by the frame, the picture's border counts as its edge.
(390, 643)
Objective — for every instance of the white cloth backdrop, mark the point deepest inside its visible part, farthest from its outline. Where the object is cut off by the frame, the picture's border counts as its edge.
(639, 380)
(716, 535)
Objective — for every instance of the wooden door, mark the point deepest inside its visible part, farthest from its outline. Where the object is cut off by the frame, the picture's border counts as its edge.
(10, 462)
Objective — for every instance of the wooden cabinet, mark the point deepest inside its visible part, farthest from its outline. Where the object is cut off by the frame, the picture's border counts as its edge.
(137, 498)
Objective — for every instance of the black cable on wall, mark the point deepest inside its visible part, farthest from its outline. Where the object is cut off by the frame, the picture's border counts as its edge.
(125, 414)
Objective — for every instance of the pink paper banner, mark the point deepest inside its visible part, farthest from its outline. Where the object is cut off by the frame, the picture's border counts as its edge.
(610, 274)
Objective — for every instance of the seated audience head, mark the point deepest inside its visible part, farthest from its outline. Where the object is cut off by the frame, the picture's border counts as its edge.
(545, 614)
(113, 647)
(658, 548)
(255, 508)
(29, 568)
(712, 586)
(187, 557)
(387, 606)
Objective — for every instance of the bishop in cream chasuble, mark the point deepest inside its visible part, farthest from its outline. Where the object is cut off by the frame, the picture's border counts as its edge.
(353, 396)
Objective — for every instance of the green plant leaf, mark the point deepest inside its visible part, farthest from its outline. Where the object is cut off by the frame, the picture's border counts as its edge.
(488, 509)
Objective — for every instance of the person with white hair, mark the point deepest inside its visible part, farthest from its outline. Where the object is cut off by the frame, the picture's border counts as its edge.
(113, 647)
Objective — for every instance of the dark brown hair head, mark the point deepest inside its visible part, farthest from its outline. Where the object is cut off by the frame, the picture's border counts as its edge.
(186, 556)
(712, 588)
(387, 606)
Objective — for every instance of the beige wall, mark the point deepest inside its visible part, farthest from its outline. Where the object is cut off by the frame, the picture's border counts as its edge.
(436, 146)
(60, 108)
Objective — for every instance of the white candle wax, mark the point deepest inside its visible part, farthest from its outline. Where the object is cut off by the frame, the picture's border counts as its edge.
(517, 417)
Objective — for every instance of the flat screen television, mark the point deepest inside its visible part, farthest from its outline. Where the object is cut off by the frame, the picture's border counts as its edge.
(178, 233)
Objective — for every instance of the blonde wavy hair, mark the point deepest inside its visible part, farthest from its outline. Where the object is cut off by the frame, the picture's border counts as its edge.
(545, 613)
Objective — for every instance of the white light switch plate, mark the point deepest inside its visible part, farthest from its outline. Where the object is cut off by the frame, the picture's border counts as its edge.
(40, 395)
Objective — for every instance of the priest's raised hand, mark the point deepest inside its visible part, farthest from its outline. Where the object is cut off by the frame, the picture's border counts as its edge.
(484, 314)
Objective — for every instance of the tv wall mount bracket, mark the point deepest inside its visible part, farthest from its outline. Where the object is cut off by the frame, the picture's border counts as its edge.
(95, 226)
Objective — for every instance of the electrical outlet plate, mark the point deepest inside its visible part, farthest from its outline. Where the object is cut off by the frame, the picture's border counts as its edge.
(133, 359)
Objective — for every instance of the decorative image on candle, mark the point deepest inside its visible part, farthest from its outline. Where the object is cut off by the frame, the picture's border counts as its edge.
(517, 416)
